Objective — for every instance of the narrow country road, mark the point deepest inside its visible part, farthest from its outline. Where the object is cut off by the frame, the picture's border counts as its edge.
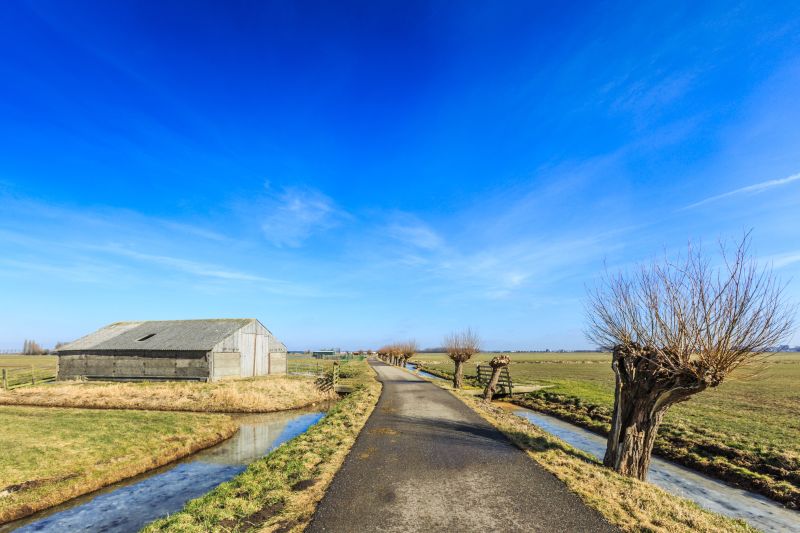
(426, 462)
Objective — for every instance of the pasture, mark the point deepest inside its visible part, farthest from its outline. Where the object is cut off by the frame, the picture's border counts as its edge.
(22, 369)
(747, 430)
(62, 453)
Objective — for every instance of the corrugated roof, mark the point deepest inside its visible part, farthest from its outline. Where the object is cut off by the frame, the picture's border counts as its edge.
(174, 335)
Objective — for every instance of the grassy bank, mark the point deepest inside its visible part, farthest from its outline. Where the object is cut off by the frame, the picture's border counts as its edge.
(630, 504)
(746, 431)
(52, 455)
(280, 491)
(250, 395)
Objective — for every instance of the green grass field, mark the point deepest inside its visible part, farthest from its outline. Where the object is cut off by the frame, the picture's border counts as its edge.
(52, 455)
(22, 369)
(747, 430)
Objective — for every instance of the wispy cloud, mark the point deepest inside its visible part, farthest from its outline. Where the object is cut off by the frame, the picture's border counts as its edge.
(85, 272)
(190, 267)
(102, 245)
(410, 230)
(784, 260)
(750, 189)
(194, 230)
(292, 215)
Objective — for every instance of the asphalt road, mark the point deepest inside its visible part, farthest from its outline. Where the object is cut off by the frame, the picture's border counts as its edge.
(426, 462)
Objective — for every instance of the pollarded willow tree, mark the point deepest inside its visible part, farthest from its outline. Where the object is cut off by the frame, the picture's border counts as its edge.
(676, 328)
(460, 347)
(390, 353)
(498, 363)
(408, 349)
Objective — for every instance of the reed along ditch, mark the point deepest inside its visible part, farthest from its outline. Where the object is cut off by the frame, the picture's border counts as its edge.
(756, 510)
(125, 507)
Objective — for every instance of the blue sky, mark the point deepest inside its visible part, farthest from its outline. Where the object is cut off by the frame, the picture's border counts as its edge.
(357, 173)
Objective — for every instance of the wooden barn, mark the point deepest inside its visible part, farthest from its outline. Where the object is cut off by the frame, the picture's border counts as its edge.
(204, 350)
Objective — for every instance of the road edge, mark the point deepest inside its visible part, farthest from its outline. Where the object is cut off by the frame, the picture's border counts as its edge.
(629, 504)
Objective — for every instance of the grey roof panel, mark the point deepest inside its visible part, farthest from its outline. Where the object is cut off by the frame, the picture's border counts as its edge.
(173, 335)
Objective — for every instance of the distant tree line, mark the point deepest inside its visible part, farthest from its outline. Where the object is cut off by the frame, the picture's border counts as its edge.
(31, 347)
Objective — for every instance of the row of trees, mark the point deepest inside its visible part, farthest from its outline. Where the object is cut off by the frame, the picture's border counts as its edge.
(398, 353)
(31, 347)
(460, 346)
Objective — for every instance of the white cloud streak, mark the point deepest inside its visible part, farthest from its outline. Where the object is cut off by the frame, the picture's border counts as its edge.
(187, 266)
(750, 189)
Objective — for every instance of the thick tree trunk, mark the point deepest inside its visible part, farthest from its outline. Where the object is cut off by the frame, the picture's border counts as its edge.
(644, 391)
(488, 392)
(633, 432)
(458, 375)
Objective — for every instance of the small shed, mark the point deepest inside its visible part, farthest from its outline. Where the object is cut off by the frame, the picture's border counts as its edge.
(203, 350)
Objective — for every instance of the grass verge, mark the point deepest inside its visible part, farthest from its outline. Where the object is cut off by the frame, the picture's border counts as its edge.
(53, 455)
(250, 395)
(630, 504)
(745, 432)
(280, 491)
(775, 476)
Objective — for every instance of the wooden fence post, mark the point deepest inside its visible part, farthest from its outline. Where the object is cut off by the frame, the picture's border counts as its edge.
(5, 380)
(33, 375)
(335, 374)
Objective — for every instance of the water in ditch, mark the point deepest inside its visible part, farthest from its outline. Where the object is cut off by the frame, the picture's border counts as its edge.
(413, 368)
(126, 506)
(709, 493)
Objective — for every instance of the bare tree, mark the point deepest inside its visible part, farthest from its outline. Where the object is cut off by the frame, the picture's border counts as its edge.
(460, 347)
(407, 350)
(498, 363)
(383, 353)
(31, 347)
(675, 328)
(391, 353)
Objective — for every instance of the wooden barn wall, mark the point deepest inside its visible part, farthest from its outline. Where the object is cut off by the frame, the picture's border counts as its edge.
(257, 345)
(226, 364)
(165, 366)
(278, 362)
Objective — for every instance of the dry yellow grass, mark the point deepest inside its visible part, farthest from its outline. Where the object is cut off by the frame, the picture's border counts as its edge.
(253, 395)
(628, 503)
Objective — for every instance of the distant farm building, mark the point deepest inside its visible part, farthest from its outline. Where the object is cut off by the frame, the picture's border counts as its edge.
(325, 354)
(203, 350)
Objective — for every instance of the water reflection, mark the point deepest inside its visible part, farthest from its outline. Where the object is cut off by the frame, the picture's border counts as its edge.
(709, 493)
(413, 368)
(127, 506)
